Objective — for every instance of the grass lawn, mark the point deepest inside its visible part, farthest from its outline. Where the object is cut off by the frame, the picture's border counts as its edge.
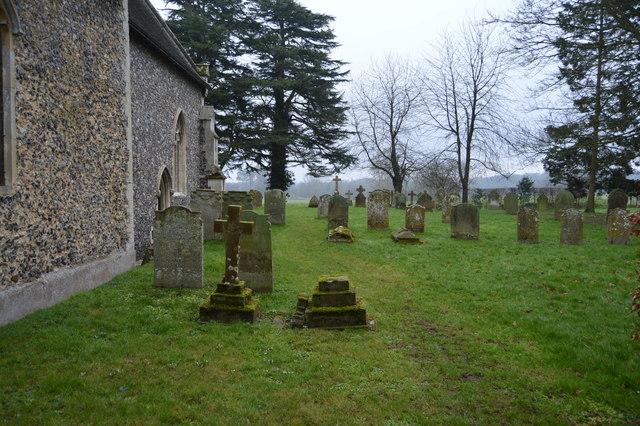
(488, 331)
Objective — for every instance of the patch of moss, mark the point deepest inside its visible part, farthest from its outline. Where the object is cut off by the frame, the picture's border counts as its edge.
(251, 305)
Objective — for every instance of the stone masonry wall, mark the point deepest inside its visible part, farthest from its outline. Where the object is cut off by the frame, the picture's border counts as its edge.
(158, 91)
(70, 204)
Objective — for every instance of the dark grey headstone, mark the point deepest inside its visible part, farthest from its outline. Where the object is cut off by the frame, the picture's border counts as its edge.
(256, 264)
(511, 203)
(571, 227)
(338, 212)
(465, 221)
(275, 205)
(617, 199)
(426, 201)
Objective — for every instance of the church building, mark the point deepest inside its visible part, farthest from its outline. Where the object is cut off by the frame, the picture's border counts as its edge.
(103, 123)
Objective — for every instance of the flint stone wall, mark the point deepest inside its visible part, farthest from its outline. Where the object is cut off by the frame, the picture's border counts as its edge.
(158, 92)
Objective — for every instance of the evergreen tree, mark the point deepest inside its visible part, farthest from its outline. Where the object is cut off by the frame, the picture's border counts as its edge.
(525, 189)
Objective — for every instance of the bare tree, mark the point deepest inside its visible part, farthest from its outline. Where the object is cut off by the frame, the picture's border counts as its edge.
(442, 173)
(462, 86)
(384, 110)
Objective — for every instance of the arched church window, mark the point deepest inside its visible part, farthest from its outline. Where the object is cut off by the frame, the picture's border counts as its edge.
(164, 190)
(180, 155)
(8, 27)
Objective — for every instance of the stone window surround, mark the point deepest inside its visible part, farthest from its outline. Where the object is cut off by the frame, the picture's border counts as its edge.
(179, 154)
(9, 26)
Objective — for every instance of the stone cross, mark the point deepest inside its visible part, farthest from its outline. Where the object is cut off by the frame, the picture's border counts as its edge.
(233, 228)
(411, 194)
(336, 180)
(349, 194)
(360, 189)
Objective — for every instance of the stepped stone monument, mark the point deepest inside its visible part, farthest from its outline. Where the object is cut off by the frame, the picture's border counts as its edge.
(571, 227)
(333, 304)
(256, 254)
(177, 240)
(232, 301)
(528, 224)
(414, 218)
(275, 205)
(209, 204)
(378, 211)
(465, 222)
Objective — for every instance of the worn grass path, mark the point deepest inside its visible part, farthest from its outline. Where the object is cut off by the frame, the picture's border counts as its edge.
(487, 331)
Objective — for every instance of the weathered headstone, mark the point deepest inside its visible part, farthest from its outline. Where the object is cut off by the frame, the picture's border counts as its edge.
(388, 196)
(209, 204)
(564, 200)
(528, 224)
(440, 196)
(256, 260)
(275, 205)
(404, 236)
(323, 205)
(571, 227)
(378, 210)
(232, 300)
(349, 194)
(332, 305)
(337, 180)
(493, 200)
(465, 222)
(447, 205)
(618, 227)
(414, 218)
(399, 201)
(177, 243)
(313, 202)
(341, 234)
(511, 203)
(543, 202)
(257, 198)
(338, 212)
(617, 199)
(237, 198)
(426, 201)
(361, 200)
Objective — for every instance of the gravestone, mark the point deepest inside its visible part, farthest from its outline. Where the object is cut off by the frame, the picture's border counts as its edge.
(313, 202)
(465, 221)
(571, 227)
(256, 260)
(493, 200)
(426, 201)
(404, 236)
(232, 301)
(337, 180)
(528, 224)
(378, 210)
(618, 227)
(414, 218)
(349, 194)
(237, 198)
(209, 204)
(510, 202)
(399, 201)
(177, 248)
(332, 305)
(564, 200)
(440, 196)
(275, 205)
(338, 212)
(361, 200)
(341, 234)
(411, 196)
(257, 198)
(543, 202)
(323, 205)
(388, 196)
(446, 209)
(617, 199)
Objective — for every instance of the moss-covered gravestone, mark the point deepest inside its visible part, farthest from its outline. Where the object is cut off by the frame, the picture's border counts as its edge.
(414, 218)
(465, 222)
(617, 199)
(237, 198)
(404, 236)
(313, 202)
(232, 301)
(510, 202)
(426, 201)
(257, 198)
(542, 202)
(256, 266)
(341, 234)
(528, 225)
(275, 205)
(399, 201)
(361, 200)
(493, 200)
(564, 200)
(338, 212)
(209, 204)
(177, 243)
(333, 304)
(378, 211)
(618, 227)
(323, 205)
(571, 227)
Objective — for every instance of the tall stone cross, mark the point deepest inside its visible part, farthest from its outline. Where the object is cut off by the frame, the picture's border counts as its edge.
(412, 194)
(360, 189)
(336, 180)
(349, 194)
(233, 227)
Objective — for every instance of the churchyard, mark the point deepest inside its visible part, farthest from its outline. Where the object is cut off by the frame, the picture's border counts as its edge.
(462, 331)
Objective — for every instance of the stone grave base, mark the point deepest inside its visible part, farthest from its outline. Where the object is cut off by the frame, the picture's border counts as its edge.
(230, 303)
(404, 236)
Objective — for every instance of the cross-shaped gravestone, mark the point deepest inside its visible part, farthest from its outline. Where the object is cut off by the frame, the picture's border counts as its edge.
(349, 194)
(336, 180)
(411, 194)
(233, 227)
(360, 189)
